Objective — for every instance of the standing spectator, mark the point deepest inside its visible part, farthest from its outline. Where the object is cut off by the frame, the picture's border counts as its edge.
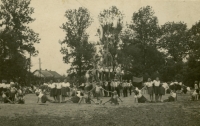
(196, 85)
(125, 88)
(106, 88)
(13, 91)
(109, 87)
(156, 88)
(121, 88)
(58, 91)
(130, 87)
(161, 91)
(149, 85)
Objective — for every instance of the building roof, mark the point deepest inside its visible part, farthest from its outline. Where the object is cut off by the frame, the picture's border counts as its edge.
(46, 73)
(55, 74)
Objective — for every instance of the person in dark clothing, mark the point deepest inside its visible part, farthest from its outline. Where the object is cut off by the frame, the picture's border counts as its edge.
(130, 87)
(106, 87)
(117, 88)
(109, 88)
(125, 89)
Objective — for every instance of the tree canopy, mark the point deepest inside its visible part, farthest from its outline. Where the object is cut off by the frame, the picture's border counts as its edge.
(17, 38)
(75, 47)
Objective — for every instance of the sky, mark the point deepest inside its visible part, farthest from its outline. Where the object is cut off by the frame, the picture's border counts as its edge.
(49, 15)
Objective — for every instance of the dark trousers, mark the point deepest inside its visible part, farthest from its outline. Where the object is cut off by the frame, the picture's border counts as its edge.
(109, 89)
(130, 88)
(105, 92)
(125, 91)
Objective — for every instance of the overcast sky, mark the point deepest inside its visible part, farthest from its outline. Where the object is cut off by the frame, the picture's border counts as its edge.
(49, 15)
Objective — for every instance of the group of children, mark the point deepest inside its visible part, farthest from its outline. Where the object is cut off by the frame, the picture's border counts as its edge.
(98, 89)
(84, 92)
(12, 93)
(156, 89)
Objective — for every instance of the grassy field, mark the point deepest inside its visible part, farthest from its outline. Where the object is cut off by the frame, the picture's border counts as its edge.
(128, 113)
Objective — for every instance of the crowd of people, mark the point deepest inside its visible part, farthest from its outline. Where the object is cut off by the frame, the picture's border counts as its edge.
(88, 92)
(12, 93)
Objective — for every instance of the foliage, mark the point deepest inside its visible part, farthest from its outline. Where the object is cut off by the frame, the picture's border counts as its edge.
(75, 47)
(139, 41)
(17, 38)
(175, 40)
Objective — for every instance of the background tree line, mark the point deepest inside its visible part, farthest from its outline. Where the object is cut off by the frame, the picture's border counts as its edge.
(142, 47)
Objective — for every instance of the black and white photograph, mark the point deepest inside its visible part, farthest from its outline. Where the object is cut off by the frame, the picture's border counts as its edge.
(99, 62)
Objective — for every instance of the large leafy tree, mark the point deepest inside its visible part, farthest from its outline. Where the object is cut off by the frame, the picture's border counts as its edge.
(132, 56)
(174, 39)
(17, 38)
(193, 64)
(145, 24)
(140, 43)
(75, 47)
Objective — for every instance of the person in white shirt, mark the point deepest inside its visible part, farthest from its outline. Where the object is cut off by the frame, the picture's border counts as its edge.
(51, 86)
(124, 85)
(149, 86)
(139, 98)
(43, 97)
(67, 84)
(112, 84)
(58, 91)
(196, 85)
(172, 97)
(156, 88)
(63, 90)
(195, 95)
(129, 86)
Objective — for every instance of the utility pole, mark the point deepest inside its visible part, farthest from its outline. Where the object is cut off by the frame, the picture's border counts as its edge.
(30, 68)
(40, 68)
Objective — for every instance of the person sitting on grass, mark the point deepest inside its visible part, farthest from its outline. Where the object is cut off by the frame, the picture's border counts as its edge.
(76, 97)
(84, 95)
(139, 98)
(20, 96)
(172, 97)
(195, 95)
(43, 97)
(114, 99)
(5, 96)
(37, 91)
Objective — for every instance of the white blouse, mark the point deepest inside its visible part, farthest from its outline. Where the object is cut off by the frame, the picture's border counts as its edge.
(156, 83)
(139, 95)
(59, 85)
(149, 84)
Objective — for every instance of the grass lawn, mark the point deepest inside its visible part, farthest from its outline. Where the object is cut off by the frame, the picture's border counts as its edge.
(128, 113)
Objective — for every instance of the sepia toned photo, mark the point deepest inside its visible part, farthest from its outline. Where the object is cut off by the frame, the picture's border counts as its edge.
(99, 62)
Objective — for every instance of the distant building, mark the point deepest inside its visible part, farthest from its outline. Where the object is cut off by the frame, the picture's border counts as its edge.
(47, 74)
